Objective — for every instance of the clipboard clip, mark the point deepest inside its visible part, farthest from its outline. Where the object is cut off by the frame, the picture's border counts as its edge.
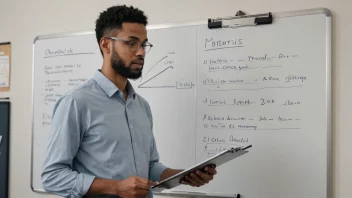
(240, 20)
(233, 150)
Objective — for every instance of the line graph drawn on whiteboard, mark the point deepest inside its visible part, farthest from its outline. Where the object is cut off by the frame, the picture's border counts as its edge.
(161, 74)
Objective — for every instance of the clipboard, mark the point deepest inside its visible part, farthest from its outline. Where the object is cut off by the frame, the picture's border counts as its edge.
(215, 161)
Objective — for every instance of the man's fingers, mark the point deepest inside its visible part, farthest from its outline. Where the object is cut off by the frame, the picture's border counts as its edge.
(142, 186)
(141, 180)
(204, 176)
(152, 183)
(193, 181)
(211, 171)
(142, 193)
(200, 180)
(146, 181)
(186, 182)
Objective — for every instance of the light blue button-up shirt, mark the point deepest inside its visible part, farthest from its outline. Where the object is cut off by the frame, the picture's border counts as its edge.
(96, 133)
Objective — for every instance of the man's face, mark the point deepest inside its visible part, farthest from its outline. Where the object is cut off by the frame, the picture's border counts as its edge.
(129, 63)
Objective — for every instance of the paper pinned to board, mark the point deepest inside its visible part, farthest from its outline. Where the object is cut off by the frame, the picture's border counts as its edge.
(4, 71)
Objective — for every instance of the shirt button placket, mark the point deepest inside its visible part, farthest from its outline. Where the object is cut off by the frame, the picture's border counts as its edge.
(134, 144)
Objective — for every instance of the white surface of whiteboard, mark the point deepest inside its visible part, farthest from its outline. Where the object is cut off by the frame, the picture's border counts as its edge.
(268, 86)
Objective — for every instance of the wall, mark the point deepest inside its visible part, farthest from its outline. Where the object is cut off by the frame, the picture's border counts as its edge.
(22, 20)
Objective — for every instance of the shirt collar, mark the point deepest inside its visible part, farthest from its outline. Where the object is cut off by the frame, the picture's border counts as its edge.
(109, 87)
(130, 89)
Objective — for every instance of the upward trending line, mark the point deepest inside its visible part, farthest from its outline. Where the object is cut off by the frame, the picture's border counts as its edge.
(140, 86)
(154, 65)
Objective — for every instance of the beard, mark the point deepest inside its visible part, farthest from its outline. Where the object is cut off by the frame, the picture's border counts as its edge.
(125, 70)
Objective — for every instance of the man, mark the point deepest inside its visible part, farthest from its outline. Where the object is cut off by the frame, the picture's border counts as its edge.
(101, 140)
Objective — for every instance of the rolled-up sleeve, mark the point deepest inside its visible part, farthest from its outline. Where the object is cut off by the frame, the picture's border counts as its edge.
(64, 140)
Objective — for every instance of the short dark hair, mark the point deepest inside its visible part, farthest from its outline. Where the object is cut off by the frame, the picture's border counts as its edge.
(111, 19)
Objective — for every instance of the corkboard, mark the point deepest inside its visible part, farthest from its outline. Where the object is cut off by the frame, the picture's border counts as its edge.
(5, 50)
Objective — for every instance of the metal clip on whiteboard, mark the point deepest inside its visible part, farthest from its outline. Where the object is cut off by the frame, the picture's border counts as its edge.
(240, 20)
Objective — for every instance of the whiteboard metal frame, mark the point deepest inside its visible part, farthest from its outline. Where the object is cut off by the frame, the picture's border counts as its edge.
(293, 13)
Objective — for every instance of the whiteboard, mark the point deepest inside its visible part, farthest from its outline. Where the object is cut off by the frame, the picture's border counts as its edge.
(211, 89)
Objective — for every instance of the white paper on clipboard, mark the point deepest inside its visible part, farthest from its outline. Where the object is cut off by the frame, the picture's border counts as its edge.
(217, 160)
(4, 71)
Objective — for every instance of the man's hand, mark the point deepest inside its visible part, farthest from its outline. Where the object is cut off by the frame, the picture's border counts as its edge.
(199, 177)
(134, 187)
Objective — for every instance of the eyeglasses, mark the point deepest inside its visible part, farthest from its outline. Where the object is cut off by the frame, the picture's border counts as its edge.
(133, 45)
